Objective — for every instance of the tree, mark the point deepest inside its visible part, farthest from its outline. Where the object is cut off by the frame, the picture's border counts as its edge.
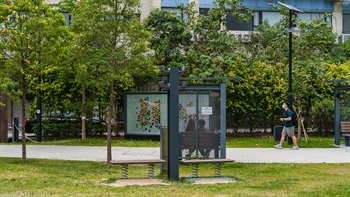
(29, 36)
(120, 39)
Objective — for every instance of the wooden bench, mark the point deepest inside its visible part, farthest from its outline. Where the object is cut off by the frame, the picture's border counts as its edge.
(125, 163)
(195, 162)
(205, 140)
(345, 131)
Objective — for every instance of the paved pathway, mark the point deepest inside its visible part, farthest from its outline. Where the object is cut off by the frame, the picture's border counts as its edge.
(245, 155)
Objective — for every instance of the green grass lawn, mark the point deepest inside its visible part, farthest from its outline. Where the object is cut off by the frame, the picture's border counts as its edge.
(39, 177)
(231, 142)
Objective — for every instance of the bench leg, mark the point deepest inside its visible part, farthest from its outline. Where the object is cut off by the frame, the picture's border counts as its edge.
(195, 170)
(216, 153)
(150, 171)
(346, 140)
(125, 171)
(218, 169)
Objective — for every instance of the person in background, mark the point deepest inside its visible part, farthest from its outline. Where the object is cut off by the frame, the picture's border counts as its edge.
(191, 125)
(201, 126)
(288, 128)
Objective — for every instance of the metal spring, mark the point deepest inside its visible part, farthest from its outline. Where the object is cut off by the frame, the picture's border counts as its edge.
(218, 169)
(194, 170)
(150, 170)
(125, 171)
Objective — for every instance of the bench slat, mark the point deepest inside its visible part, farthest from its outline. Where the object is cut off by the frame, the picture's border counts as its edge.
(345, 128)
(198, 161)
(148, 161)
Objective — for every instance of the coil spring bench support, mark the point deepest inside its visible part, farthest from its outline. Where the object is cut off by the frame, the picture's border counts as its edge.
(195, 162)
(125, 163)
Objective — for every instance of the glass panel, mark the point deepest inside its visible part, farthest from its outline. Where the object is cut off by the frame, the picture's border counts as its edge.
(201, 136)
(272, 17)
(345, 105)
(67, 18)
(177, 11)
(346, 23)
(233, 23)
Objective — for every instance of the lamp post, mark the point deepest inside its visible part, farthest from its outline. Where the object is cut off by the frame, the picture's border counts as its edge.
(292, 29)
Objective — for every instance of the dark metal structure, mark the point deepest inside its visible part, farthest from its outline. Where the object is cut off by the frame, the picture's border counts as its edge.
(173, 125)
(337, 113)
(173, 117)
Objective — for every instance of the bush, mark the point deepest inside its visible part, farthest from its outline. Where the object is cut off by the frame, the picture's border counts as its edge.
(323, 116)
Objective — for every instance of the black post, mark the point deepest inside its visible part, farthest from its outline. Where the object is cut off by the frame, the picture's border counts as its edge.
(15, 130)
(290, 94)
(39, 112)
(173, 125)
(337, 116)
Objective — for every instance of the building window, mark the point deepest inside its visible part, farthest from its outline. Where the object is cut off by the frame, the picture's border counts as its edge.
(312, 16)
(67, 17)
(232, 23)
(346, 23)
(175, 10)
(272, 17)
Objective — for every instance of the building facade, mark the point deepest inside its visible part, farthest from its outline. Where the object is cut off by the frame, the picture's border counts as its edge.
(339, 11)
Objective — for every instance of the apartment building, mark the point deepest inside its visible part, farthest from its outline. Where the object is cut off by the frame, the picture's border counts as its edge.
(339, 11)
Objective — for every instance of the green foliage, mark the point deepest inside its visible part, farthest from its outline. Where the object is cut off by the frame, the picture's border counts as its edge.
(213, 49)
(323, 115)
(258, 93)
(169, 37)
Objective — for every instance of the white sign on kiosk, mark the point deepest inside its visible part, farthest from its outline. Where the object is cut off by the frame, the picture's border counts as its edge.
(207, 111)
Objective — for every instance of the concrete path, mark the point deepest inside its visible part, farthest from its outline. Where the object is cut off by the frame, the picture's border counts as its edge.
(245, 155)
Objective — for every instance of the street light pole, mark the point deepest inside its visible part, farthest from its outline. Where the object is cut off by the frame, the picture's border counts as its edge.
(292, 10)
(290, 92)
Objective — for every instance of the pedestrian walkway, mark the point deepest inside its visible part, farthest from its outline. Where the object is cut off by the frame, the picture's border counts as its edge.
(244, 155)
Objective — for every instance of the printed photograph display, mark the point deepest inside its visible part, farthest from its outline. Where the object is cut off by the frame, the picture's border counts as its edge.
(146, 113)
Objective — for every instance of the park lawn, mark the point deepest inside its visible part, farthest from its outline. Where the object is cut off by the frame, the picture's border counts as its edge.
(231, 142)
(40, 177)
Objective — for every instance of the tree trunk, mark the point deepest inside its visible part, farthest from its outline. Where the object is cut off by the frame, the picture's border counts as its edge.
(83, 116)
(109, 121)
(24, 92)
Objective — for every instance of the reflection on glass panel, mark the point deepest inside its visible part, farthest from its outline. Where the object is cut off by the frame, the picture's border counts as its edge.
(346, 23)
(233, 23)
(309, 16)
(177, 11)
(272, 17)
(345, 106)
(66, 17)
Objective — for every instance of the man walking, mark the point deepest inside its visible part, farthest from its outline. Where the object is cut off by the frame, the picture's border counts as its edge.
(288, 128)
